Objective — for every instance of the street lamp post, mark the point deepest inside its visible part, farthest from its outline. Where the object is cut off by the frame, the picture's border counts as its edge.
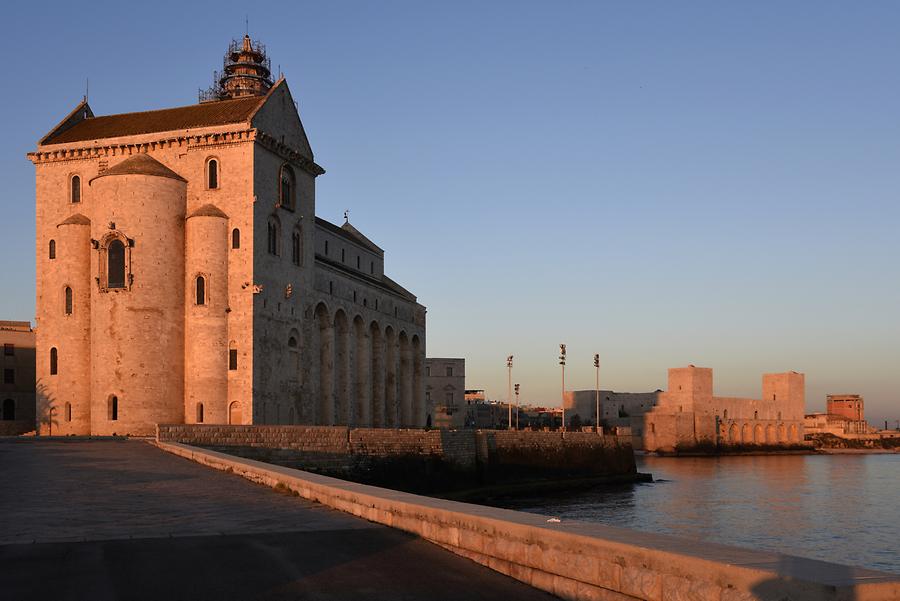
(517, 407)
(597, 366)
(509, 361)
(562, 363)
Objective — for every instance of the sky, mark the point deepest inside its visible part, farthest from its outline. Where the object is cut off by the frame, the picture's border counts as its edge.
(661, 183)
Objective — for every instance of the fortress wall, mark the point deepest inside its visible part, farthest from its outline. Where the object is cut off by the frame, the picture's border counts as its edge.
(575, 560)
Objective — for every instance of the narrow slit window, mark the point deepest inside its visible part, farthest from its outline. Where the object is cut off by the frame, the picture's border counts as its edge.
(53, 249)
(296, 248)
(232, 359)
(199, 413)
(212, 174)
(115, 271)
(68, 414)
(235, 238)
(287, 188)
(201, 290)
(69, 301)
(113, 408)
(76, 189)
(54, 361)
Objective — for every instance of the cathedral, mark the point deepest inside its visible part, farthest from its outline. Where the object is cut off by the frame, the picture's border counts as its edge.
(183, 277)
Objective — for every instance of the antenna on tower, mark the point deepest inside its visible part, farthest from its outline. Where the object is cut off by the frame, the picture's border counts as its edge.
(246, 24)
(87, 88)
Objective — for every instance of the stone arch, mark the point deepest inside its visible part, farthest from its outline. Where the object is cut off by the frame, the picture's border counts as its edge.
(376, 369)
(360, 371)
(782, 433)
(794, 436)
(391, 417)
(734, 435)
(758, 435)
(235, 413)
(770, 434)
(406, 417)
(341, 368)
(746, 434)
(325, 364)
(418, 384)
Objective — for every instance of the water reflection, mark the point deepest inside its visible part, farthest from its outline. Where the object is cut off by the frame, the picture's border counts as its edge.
(840, 508)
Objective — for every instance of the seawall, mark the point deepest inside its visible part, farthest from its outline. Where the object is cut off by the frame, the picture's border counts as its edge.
(419, 460)
(574, 560)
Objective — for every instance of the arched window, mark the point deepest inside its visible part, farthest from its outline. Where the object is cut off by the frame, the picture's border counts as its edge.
(292, 342)
(756, 415)
(68, 412)
(274, 237)
(199, 413)
(235, 238)
(286, 192)
(212, 174)
(69, 301)
(201, 290)
(53, 249)
(115, 269)
(54, 361)
(232, 359)
(113, 408)
(9, 410)
(296, 247)
(76, 189)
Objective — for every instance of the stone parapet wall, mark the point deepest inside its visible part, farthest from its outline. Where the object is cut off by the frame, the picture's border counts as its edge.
(16, 427)
(420, 460)
(576, 560)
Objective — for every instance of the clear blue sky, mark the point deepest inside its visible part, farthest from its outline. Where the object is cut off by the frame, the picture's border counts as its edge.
(663, 183)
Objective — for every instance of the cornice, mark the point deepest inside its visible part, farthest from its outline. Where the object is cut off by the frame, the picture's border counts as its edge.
(289, 153)
(100, 149)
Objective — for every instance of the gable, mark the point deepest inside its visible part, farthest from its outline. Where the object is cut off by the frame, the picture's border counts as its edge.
(278, 117)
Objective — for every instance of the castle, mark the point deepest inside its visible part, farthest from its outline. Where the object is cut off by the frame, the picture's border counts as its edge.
(183, 277)
(689, 415)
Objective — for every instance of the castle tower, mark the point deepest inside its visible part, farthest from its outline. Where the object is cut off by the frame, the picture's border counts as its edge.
(246, 71)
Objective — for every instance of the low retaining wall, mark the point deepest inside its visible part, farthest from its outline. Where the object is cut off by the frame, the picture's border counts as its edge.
(574, 560)
(16, 427)
(417, 460)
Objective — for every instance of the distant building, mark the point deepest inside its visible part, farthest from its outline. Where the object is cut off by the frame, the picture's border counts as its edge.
(17, 388)
(844, 416)
(445, 391)
(688, 414)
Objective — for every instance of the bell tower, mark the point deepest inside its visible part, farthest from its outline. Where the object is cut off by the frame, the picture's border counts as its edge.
(246, 71)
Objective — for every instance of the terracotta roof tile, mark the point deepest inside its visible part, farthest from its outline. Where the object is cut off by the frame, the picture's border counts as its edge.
(184, 117)
(140, 164)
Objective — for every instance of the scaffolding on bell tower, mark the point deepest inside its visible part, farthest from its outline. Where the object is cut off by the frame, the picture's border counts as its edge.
(246, 71)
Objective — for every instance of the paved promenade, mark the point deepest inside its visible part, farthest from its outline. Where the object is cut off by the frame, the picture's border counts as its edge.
(124, 520)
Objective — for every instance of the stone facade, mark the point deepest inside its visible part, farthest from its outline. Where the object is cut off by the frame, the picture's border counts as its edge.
(845, 417)
(17, 387)
(182, 276)
(689, 415)
(445, 391)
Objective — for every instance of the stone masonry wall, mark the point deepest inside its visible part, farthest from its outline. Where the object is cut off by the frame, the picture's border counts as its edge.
(411, 459)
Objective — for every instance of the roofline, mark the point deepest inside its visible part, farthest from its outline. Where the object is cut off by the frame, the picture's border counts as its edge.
(325, 261)
(348, 236)
(58, 128)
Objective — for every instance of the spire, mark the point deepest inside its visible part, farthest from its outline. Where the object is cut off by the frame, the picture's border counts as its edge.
(246, 71)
